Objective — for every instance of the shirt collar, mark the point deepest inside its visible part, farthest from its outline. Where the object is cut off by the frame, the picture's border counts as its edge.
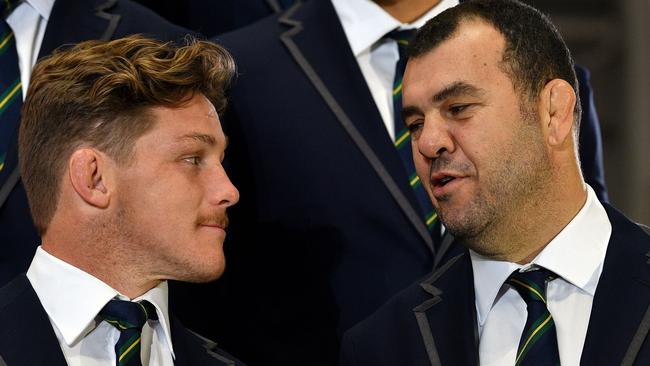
(72, 298)
(365, 22)
(43, 7)
(576, 254)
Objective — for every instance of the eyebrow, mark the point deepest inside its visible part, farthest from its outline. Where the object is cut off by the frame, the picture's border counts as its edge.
(455, 89)
(206, 139)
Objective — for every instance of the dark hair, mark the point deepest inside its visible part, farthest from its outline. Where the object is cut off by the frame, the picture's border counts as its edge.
(534, 53)
(100, 93)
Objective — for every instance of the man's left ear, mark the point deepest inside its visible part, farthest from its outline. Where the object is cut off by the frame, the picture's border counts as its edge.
(87, 169)
(557, 104)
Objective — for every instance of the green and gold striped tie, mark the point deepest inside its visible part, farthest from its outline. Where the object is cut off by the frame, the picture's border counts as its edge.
(11, 96)
(403, 136)
(129, 318)
(538, 343)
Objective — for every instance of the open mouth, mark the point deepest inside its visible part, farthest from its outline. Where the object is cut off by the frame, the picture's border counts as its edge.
(443, 180)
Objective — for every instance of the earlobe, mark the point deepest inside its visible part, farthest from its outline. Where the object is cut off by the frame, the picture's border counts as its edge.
(560, 100)
(86, 169)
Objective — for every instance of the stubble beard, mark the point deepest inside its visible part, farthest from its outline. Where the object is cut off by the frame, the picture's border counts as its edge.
(513, 189)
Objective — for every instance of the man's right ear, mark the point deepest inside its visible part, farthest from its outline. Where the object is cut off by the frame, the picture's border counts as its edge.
(87, 173)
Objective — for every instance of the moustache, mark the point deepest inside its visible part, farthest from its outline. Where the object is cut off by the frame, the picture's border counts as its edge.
(444, 163)
(218, 219)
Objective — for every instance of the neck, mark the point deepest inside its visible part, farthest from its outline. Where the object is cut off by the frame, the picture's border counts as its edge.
(103, 259)
(407, 11)
(520, 236)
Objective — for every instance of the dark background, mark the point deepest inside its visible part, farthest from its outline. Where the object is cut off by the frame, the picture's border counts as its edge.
(612, 38)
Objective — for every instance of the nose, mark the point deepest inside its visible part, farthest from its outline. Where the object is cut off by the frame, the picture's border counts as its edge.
(434, 139)
(221, 191)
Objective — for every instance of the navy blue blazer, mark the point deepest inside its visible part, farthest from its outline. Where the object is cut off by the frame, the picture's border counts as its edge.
(71, 21)
(212, 17)
(434, 322)
(27, 337)
(327, 228)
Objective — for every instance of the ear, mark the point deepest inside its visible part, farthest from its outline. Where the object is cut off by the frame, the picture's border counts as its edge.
(557, 103)
(87, 174)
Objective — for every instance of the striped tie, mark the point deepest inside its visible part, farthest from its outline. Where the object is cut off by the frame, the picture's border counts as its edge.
(129, 318)
(538, 343)
(11, 97)
(402, 135)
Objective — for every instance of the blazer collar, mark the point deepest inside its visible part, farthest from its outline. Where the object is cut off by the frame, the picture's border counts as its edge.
(73, 21)
(192, 349)
(316, 41)
(447, 319)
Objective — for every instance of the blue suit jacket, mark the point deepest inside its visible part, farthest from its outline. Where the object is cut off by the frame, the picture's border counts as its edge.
(27, 337)
(327, 228)
(212, 17)
(71, 21)
(434, 322)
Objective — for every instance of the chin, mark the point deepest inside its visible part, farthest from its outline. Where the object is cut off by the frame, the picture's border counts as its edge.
(205, 268)
(211, 271)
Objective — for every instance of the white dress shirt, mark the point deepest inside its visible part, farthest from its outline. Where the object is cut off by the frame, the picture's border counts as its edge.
(365, 23)
(28, 22)
(72, 299)
(576, 255)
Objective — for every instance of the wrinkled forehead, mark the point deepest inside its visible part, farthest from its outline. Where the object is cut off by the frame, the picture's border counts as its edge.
(473, 53)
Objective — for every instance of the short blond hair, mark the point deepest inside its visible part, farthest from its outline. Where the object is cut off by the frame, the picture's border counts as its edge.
(99, 93)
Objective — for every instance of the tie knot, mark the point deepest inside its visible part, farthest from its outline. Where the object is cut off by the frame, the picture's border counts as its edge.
(401, 36)
(6, 6)
(531, 285)
(125, 315)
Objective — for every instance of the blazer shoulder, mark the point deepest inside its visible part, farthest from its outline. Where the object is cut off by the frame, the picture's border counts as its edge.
(397, 312)
(10, 293)
(394, 328)
(627, 232)
(25, 322)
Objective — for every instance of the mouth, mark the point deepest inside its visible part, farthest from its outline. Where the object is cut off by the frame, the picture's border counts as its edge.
(216, 226)
(443, 183)
(442, 180)
(214, 222)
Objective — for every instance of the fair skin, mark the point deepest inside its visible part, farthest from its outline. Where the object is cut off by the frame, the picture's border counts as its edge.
(161, 215)
(407, 11)
(500, 169)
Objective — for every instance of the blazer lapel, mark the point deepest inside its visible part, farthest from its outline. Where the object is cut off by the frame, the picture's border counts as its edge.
(447, 320)
(620, 315)
(192, 349)
(73, 21)
(318, 44)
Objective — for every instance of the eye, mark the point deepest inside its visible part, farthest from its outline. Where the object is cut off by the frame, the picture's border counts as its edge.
(415, 127)
(194, 160)
(457, 109)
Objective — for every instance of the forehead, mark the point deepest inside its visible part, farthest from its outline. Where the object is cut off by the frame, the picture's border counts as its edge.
(473, 55)
(198, 116)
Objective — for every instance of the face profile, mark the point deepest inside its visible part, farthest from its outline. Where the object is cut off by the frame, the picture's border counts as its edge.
(477, 141)
(173, 193)
(127, 136)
